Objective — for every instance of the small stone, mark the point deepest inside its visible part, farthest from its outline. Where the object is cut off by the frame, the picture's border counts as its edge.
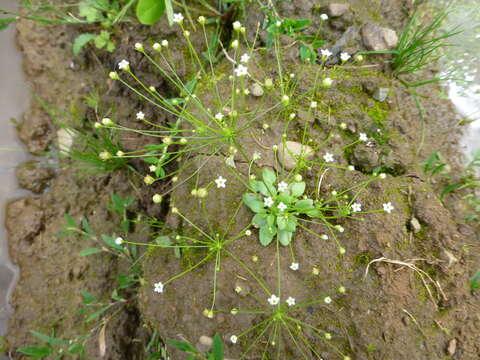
(377, 38)
(336, 9)
(288, 153)
(415, 224)
(381, 94)
(256, 90)
(452, 347)
(204, 343)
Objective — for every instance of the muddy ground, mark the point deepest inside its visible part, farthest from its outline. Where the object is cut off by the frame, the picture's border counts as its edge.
(386, 315)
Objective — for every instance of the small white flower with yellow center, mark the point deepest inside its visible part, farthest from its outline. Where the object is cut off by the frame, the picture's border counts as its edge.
(294, 266)
(158, 287)
(291, 301)
(140, 115)
(220, 181)
(219, 116)
(327, 300)
(282, 186)
(268, 201)
(356, 207)
(119, 241)
(325, 53)
(178, 18)
(241, 70)
(273, 300)
(233, 339)
(388, 207)
(363, 137)
(328, 157)
(345, 56)
(324, 17)
(124, 65)
(282, 206)
(152, 168)
(244, 59)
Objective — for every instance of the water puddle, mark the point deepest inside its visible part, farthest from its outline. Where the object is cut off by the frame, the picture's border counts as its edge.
(14, 99)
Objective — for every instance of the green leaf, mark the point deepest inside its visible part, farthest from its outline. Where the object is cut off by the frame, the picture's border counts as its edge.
(281, 222)
(307, 55)
(90, 251)
(5, 22)
(314, 213)
(88, 9)
(80, 41)
(297, 189)
(88, 298)
(259, 186)
(475, 281)
(303, 205)
(449, 189)
(266, 234)
(47, 338)
(183, 346)
(70, 221)
(217, 348)
(36, 352)
(252, 201)
(284, 237)
(291, 224)
(259, 220)
(150, 11)
(96, 314)
(268, 176)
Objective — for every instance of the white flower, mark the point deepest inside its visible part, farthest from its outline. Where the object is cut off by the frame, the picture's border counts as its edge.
(282, 206)
(105, 155)
(177, 18)
(220, 181)
(328, 300)
(324, 17)
(356, 207)
(388, 207)
(344, 56)
(313, 104)
(294, 266)
(157, 198)
(268, 201)
(327, 82)
(229, 161)
(326, 53)
(256, 156)
(237, 26)
(219, 116)
(202, 20)
(351, 167)
(158, 287)
(273, 300)
(244, 59)
(328, 157)
(248, 232)
(291, 301)
(233, 339)
(241, 70)
(140, 115)
(119, 241)
(124, 65)
(120, 153)
(139, 46)
(382, 175)
(283, 186)
(152, 168)
(235, 44)
(363, 137)
(165, 43)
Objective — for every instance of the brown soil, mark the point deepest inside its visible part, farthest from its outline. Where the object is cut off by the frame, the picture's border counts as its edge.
(385, 314)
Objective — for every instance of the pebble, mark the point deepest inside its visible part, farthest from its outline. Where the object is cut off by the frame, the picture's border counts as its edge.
(291, 150)
(256, 90)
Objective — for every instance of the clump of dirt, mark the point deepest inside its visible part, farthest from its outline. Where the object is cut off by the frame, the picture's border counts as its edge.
(412, 303)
